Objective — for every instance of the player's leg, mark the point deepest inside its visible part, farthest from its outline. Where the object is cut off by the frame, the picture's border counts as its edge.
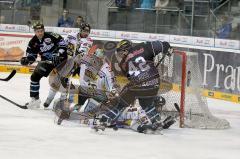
(51, 94)
(42, 70)
(126, 98)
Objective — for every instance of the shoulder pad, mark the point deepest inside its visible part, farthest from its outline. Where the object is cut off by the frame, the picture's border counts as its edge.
(55, 35)
(72, 36)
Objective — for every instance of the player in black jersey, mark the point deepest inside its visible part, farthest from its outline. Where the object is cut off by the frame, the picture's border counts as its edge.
(137, 64)
(52, 50)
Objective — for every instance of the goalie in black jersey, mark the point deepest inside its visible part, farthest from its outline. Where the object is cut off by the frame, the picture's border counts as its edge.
(52, 50)
(137, 64)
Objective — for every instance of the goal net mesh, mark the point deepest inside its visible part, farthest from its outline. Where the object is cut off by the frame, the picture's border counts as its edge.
(181, 84)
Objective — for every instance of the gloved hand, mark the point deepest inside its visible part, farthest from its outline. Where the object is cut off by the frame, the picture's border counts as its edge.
(170, 51)
(56, 60)
(24, 61)
(167, 49)
(58, 57)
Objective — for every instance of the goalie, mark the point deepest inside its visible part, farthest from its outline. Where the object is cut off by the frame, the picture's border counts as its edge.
(96, 82)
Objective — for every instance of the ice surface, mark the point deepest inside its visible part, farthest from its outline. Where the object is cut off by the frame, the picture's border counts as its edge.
(32, 134)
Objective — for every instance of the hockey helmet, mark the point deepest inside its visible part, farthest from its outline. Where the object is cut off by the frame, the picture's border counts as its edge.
(85, 27)
(38, 25)
(124, 45)
(122, 49)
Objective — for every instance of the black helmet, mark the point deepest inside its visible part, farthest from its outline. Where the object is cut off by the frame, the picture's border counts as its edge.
(124, 45)
(38, 25)
(84, 26)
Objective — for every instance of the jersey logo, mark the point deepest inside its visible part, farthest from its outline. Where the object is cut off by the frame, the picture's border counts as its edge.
(46, 47)
(47, 40)
(134, 53)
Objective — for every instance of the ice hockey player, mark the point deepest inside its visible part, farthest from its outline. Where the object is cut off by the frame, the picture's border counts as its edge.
(77, 43)
(96, 83)
(137, 64)
(135, 118)
(52, 50)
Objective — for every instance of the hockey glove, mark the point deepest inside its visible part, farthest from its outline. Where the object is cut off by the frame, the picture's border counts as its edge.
(24, 61)
(167, 49)
(56, 60)
(170, 52)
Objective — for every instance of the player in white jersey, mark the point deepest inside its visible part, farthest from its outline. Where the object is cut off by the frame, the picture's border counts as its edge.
(78, 43)
(96, 73)
(96, 83)
(133, 117)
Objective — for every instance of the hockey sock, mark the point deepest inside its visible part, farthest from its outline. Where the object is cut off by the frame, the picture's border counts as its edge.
(34, 89)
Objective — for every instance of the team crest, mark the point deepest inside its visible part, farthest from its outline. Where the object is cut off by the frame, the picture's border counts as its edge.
(47, 40)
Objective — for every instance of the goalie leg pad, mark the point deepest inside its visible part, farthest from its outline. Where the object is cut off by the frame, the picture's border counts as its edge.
(90, 106)
(153, 114)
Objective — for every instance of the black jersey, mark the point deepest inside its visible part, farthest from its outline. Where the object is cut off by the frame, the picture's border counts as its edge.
(138, 65)
(44, 47)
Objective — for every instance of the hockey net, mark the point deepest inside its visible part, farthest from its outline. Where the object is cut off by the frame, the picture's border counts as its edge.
(181, 84)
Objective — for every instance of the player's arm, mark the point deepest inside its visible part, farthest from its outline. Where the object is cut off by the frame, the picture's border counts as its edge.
(82, 72)
(109, 82)
(71, 42)
(109, 79)
(158, 47)
(31, 54)
(60, 53)
(85, 45)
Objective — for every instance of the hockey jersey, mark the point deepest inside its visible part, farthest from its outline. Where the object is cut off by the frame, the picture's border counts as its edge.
(96, 72)
(44, 47)
(77, 45)
(132, 117)
(139, 66)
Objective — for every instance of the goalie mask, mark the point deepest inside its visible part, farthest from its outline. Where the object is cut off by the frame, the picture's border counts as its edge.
(99, 53)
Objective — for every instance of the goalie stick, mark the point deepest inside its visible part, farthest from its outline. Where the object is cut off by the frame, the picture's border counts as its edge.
(9, 76)
(14, 103)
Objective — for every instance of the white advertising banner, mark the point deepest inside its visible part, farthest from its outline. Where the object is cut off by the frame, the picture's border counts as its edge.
(127, 35)
(14, 28)
(201, 41)
(153, 37)
(227, 44)
(103, 33)
(178, 39)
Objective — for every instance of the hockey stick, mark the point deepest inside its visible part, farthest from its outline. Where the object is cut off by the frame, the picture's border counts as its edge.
(9, 76)
(16, 104)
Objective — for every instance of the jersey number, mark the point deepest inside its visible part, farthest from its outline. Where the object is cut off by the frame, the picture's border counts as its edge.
(138, 66)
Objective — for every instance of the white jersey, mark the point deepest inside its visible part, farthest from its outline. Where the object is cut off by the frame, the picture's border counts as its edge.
(76, 44)
(132, 117)
(96, 73)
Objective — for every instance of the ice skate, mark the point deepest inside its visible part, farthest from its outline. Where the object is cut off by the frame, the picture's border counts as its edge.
(33, 104)
(96, 125)
(47, 102)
